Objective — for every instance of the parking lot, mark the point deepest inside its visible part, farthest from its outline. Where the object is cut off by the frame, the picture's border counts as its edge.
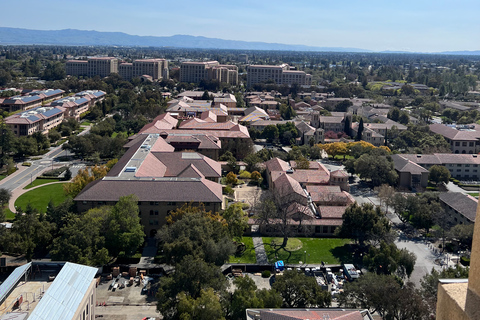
(128, 303)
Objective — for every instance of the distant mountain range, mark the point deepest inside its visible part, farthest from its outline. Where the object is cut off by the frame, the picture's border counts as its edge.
(73, 37)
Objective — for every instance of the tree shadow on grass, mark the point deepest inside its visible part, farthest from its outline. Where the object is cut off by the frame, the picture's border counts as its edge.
(276, 254)
(345, 253)
(350, 253)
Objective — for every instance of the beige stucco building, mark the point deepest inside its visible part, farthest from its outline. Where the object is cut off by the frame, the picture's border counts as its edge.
(282, 74)
(95, 66)
(156, 68)
(460, 299)
(194, 72)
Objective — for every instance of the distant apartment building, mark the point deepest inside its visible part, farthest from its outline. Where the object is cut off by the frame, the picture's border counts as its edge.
(156, 68)
(96, 66)
(243, 58)
(194, 72)
(282, 74)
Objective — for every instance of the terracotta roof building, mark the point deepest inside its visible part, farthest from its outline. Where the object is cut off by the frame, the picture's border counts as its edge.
(39, 119)
(31, 100)
(313, 191)
(162, 179)
(307, 314)
(79, 103)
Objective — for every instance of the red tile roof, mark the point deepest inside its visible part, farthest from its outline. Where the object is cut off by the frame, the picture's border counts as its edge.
(311, 176)
(332, 212)
(276, 164)
(312, 314)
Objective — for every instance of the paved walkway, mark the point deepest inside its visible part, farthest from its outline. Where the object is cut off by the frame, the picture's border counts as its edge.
(149, 252)
(19, 191)
(452, 187)
(259, 250)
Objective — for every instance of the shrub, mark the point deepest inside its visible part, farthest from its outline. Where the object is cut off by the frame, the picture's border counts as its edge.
(55, 172)
(26, 164)
(266, 274)
(228, 190)
(231, 178)
(244, 175)
(245, 206)
(255, 175)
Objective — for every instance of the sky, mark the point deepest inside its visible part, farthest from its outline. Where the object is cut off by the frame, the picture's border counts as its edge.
(378, 25)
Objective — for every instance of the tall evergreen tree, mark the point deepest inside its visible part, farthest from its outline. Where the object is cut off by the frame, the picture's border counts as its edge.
(360, 130)
(347, 128)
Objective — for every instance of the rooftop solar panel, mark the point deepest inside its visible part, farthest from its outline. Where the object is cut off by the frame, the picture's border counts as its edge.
(52, 112)
(81, 100)
(33, 118)
(30, 98)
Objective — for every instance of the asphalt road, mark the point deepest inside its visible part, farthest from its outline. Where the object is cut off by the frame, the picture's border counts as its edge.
(49, 160)
(425, 255)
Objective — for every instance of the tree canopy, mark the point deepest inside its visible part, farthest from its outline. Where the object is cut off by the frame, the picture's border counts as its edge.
(194, 232)
(364, 223)
(300, 291)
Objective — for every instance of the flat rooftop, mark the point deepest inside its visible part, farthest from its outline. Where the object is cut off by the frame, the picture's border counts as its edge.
(32, 291)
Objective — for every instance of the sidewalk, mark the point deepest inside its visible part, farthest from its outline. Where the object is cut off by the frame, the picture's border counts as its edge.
(260, 253)
(19, 191)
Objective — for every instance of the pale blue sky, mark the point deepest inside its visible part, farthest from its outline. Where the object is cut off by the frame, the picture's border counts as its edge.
(420, 25)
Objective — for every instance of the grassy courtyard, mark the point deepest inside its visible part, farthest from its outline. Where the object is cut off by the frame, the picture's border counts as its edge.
(329, 250)
(39, 182)
(40, 197)
(248, 256)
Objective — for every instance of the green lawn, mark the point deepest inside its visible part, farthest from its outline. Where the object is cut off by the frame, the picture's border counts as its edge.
(248, 256)
(329, 250)
(40, 197)
(9, 214)
(473, 194)
(39, 182)
(2, 176)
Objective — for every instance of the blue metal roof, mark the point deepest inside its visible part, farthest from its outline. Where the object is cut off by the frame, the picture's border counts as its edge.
(12, 280)
(65, 294)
